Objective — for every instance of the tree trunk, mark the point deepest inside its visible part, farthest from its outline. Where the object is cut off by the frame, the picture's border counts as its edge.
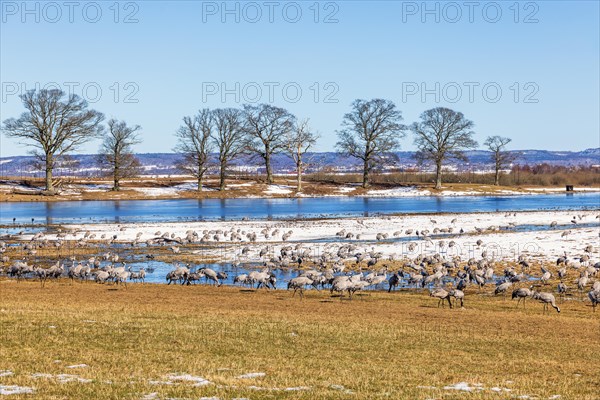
(365, 174)
(49, 162)
(222, 176)
(268, 167)
(116, 178)
(200, 183)
(497, 177)
(438, 175)
(299, 178)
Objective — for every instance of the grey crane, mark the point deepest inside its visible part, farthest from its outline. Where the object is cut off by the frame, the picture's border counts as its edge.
(546, 299)
(298, 284)
(442, 295)
(522, 294)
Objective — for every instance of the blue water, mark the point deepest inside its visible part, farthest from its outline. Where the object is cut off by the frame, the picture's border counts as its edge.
(235, 209)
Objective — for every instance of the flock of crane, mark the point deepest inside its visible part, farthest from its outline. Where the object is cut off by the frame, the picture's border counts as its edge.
(446, 280)
(341, 267)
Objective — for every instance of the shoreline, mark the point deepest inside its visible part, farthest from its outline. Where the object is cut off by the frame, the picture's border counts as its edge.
(504, 235)
(11, 192)
(307, 219)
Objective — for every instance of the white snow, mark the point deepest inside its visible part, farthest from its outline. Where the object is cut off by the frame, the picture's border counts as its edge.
(154, 382)
(171, 190)
(278, 189)
(172, 378)
(464, 386)
(78, 366)
(341, 388)
(5, 373)
(236, 185)
(296, 388)
(562, 189)
(398, 192)
(75, 189)
(502, 244)
(251, 375)
(276, 389)
(6, 390)
(499, 389)
(62, 378)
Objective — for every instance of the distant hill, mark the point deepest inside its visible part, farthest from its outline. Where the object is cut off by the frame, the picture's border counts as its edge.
(165, 163)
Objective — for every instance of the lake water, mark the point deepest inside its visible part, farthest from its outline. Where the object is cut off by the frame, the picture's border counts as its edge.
(156, 272)
(235, 209)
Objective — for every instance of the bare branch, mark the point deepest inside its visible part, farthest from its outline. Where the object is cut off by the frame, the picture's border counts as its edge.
(265, 127)
(296, 143)
(116, 153)
(229, 138)
(442, 134)
(500, 157)
(194, 144)
(54, 124)
(371, 130)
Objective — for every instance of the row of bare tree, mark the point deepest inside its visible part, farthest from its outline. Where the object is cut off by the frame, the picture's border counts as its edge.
(262, 130)
(55, 124)
(373, 129)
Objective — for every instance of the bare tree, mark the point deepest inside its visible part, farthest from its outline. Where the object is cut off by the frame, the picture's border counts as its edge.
(116, 151)
(266, 126)
(297, 143)
(55, 124)
(442, 134)
(229, 138)
(371, 131)
(194, 144)
(500, 157)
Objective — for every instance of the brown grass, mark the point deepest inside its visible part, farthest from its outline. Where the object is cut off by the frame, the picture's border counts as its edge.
(377, 345)
(542, 175)
(315, 185)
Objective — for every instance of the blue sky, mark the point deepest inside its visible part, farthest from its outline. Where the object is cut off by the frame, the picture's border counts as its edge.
(530, 72)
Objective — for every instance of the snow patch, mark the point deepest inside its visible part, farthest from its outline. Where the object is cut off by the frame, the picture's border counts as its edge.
(7, 390)
(234, 185)
(78, 366)
(410, 191)
(252, 375)
(278, 189)
(62, 378)
(172, 378)
(464, 386)
(341, 388)
(296, 388)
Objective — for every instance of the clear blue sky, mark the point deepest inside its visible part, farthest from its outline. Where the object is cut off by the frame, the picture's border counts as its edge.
(178, 54)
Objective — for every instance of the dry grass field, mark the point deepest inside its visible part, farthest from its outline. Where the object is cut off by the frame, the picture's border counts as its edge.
(143, 342)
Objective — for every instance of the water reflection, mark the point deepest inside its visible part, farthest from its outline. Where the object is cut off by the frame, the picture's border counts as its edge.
(117, 209)
(365, 206)
(227, 209)
(49, 207)
(439, 202)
